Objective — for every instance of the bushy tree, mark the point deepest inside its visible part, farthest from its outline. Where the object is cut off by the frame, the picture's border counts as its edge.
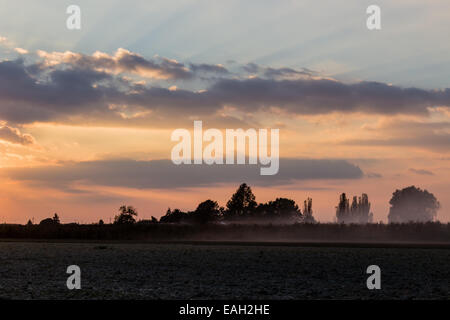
(279, 209)
(412, 204)
(126, 215)
(207, 211)
(241, 204)
(285, 209)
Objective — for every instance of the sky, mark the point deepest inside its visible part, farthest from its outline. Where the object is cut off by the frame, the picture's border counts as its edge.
(86, 116)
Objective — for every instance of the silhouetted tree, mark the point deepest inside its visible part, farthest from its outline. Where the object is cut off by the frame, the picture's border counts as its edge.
(354, 206)
(100, 222)
(307, 211)
(342, 210)
(357, 212)
(207, 211)
(126, 215)
(175, 216)
(363, 210)
(56, 219)
(262, 211)
(29, 223)
(412, 204)
(242, 203)
(280, 209)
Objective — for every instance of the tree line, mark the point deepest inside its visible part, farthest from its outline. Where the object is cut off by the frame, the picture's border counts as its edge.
(409, 204)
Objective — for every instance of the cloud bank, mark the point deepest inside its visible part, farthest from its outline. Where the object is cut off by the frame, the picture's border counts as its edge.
(163, 174)
(73, 87)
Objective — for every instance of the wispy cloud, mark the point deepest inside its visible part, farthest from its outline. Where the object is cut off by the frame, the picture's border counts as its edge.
(13, 135)
(421, 172)
(433, 136)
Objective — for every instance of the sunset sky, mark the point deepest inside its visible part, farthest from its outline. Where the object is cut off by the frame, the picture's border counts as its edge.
(86, 115)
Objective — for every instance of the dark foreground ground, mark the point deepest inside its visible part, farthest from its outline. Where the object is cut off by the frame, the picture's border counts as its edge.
(193, 271)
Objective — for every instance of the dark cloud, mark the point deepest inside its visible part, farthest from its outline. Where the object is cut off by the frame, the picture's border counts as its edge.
(28, 94)
(302, 96)
(25, 98)
(310, 96)
(163, 174)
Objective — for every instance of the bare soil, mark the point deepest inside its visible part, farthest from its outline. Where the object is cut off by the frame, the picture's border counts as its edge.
(37, 270)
